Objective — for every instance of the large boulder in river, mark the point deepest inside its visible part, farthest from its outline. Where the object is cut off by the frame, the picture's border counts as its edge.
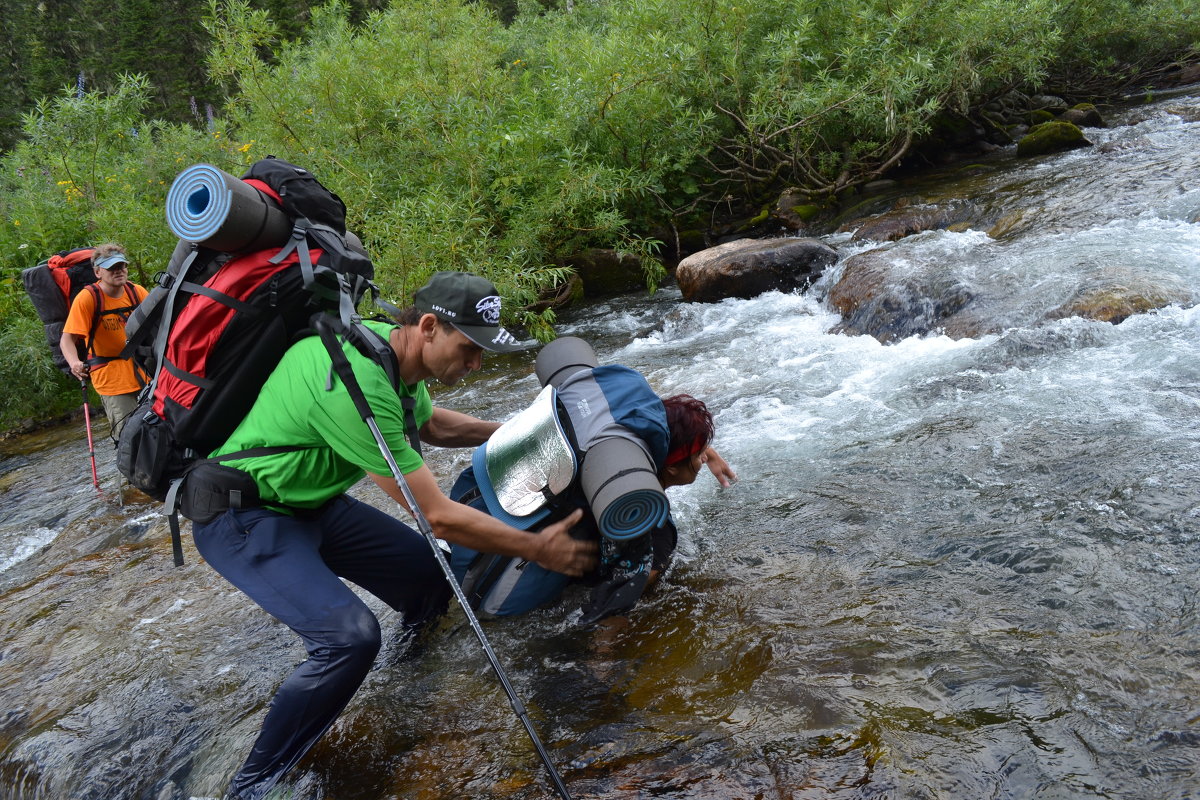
(1051, 137)
(877, 299)
(749, 267)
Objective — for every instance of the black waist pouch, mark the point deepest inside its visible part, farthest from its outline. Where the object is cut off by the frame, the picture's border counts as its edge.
(211, 488)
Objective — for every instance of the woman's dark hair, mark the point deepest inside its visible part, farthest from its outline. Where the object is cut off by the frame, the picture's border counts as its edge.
(690, 424)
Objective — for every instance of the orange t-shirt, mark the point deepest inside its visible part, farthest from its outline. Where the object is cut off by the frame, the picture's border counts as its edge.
(115, 377)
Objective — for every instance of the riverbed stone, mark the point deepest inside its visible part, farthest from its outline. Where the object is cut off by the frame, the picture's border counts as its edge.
(560, 296)
(876, 300)
(746, 268)
(1085, 115)
(1118, 301)
(1051, 137)
(606, 271)
(1049, 102)
(907, 220)
(795, 209)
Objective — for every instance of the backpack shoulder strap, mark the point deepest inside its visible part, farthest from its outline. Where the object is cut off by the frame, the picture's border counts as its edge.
(97, 312)
(382, 354)
(329, 328)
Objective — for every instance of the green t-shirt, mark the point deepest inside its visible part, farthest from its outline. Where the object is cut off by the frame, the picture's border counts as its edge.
(296, 407)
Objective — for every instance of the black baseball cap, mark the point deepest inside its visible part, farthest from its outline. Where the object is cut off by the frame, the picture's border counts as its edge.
(472, 305)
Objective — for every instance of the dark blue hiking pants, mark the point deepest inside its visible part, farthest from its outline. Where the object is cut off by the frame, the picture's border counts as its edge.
(293, 568)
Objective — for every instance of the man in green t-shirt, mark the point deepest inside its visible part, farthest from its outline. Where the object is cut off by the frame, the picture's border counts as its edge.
(291, 551)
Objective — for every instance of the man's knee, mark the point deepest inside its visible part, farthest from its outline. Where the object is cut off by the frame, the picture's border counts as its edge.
(355, 635)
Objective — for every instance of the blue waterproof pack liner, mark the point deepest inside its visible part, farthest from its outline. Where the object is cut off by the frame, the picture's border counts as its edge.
(499, 585)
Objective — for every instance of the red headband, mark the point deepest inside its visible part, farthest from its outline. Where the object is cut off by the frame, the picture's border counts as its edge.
(685, 451)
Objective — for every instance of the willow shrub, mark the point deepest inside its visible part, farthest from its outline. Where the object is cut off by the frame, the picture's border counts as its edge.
(716, 97)
(89, 169)
(446, 156)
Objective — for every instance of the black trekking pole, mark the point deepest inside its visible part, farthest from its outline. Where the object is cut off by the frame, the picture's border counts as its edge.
(87, 421)
(427, 532)
(346, 373)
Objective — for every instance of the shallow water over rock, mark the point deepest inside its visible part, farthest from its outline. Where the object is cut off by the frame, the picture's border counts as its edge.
(952, 568)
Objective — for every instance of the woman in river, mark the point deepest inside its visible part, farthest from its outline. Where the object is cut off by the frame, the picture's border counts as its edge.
(627, 567)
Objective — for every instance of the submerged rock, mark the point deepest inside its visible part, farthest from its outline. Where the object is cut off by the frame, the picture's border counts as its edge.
(1116, 302)
(906, 221)
(875, 300)
(749, 267)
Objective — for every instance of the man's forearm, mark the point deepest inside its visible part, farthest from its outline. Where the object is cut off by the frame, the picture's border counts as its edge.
(553, 548)
(448, 428)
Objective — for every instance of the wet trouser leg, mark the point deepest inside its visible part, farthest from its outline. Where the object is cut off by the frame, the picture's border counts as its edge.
(291, 568)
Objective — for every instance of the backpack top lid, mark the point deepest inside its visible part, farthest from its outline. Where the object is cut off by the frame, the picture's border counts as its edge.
(70, 258)
(299, 192)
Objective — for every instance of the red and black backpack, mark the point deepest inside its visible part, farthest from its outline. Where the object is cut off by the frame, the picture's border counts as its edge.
(217, 323)
(52, 286)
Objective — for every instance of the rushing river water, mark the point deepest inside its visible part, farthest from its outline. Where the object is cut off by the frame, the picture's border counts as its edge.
(951, 569)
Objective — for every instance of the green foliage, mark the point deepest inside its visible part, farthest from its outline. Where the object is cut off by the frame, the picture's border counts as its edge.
(505, 136)
(1111, 47)
(31, 387)
(89, 169)
(444, 150)
(50, 44)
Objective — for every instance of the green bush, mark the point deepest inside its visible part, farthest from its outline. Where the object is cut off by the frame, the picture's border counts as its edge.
(459, 141)
(444, 152)
(31, 387)
(89, 169)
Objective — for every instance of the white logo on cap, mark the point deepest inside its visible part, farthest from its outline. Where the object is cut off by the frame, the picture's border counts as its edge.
(489, 309)
(504, 337)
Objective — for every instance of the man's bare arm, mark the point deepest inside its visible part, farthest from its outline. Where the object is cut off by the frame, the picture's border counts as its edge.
(553, 547)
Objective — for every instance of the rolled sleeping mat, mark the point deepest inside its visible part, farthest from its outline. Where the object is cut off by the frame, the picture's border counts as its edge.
(210, 207)
(622, 489)
(562, 358)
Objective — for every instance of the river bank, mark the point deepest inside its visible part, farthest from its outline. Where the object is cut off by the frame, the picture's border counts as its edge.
(952, 567)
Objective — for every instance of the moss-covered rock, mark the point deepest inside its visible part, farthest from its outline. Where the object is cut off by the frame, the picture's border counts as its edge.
(795, 209)
(1085, 115)
(1051, 137)
(606, 271)
(1040, 116)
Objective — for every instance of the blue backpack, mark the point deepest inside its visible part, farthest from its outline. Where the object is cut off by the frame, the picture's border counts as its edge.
(593, 406)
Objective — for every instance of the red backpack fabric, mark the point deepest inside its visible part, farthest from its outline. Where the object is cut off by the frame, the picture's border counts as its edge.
(219, 353)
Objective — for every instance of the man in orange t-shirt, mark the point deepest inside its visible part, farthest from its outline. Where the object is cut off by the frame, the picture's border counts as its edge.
(92, 337)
